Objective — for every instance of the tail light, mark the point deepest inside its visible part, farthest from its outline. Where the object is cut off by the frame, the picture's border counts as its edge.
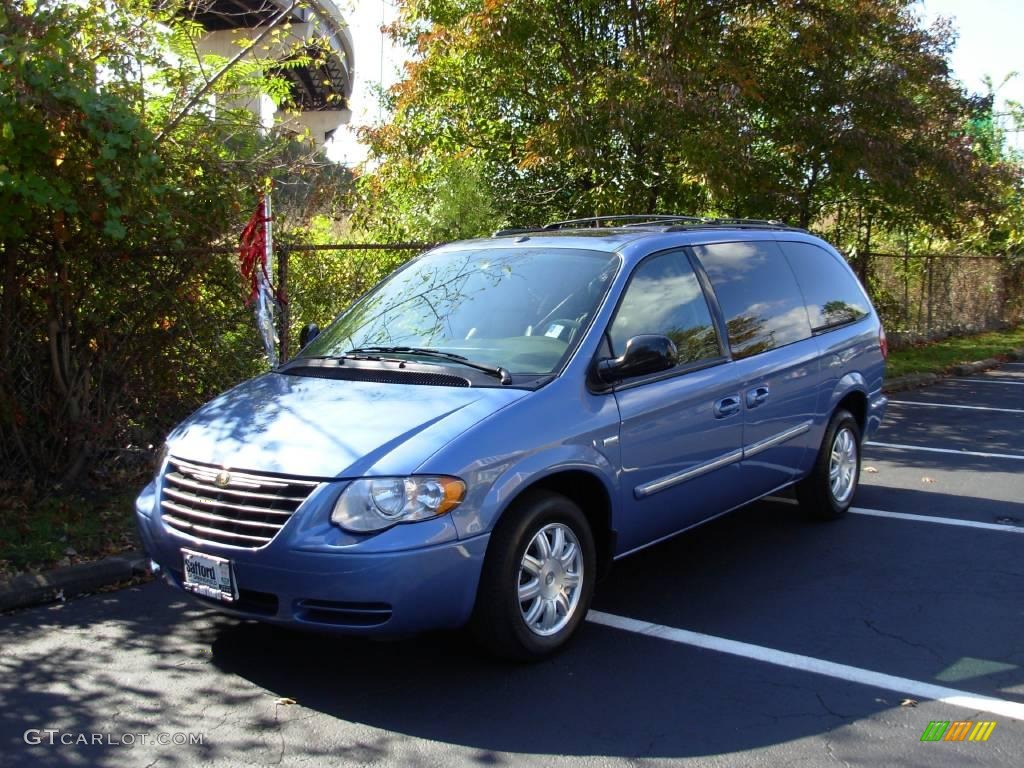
(883, 343)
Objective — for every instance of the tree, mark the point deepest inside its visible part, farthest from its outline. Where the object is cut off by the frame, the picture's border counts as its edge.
(117, 311)
(790, 109)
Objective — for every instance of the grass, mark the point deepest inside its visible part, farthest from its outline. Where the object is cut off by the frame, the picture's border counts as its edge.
(39, 533)
(940, 356)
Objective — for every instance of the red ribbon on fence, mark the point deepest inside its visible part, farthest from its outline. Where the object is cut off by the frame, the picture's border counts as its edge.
(252, 255)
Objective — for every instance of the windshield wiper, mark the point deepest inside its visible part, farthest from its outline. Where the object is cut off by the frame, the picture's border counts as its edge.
(494, 370)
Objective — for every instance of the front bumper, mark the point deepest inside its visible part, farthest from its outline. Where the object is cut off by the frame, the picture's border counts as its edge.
(369, 593)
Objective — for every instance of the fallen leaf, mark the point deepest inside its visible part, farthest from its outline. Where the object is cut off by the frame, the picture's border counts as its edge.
(285, 701)
(908, 703)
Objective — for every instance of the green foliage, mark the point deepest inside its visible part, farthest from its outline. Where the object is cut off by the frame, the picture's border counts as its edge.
(839, 114)
(427, 199)
(324, 281)
(124, 182)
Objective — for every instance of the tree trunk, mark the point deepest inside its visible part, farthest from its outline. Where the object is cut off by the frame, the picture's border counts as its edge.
(807, 198)
(864, 257)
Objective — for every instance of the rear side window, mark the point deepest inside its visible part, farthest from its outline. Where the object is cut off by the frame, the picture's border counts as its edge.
(759, 296)
(664, 297)
(834, 296)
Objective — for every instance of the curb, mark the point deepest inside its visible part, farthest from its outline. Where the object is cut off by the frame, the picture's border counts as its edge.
(33, 589)
(910, 381)
(966, 369)
(917, 380)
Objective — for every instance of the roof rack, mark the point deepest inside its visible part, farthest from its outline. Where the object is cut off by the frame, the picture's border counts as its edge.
(632, 219)
(515, 231)
(736, 223)
(671, 222)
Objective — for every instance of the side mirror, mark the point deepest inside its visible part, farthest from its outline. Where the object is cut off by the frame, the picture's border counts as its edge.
(645, 354)
(308, 333)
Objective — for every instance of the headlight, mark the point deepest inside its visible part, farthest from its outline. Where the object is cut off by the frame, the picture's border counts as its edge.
(372, 504)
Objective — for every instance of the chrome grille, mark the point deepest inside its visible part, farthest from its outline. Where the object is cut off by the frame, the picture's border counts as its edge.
(227, 506)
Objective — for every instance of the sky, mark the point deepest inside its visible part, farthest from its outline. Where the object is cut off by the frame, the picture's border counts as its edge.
(378, 62)
(989, 43)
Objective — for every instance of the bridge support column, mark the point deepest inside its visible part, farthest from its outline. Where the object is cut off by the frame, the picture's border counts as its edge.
(227, 43)
(320, 123)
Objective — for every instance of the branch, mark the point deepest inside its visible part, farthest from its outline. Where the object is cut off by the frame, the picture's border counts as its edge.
(212, 81)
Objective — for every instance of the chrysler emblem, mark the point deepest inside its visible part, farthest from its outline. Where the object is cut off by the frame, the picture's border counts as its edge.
(223, 479)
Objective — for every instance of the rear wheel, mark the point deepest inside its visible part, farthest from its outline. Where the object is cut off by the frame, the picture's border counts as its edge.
(538, 578)
(827, 492)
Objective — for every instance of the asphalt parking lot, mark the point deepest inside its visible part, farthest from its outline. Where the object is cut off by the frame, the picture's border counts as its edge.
(759, 639)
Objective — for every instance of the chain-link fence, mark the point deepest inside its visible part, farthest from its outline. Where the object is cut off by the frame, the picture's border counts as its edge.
(937, 295)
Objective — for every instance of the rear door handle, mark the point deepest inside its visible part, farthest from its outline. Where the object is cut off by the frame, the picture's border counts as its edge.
(727, 406)
(756, 396)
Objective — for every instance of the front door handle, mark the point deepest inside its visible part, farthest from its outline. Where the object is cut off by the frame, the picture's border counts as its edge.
(727, 406)
(756, 396)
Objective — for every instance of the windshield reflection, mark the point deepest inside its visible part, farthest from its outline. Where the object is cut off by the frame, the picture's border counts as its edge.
(521, 308)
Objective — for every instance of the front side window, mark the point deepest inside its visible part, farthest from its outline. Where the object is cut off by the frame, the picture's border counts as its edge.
(523, 309)
(760, 299)
(664, 297)
(833, 295)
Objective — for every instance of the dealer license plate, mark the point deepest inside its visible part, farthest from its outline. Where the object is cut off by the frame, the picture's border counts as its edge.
(209, 576)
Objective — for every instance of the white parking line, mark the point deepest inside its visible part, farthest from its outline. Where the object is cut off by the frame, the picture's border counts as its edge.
(903, 447)
(994, 380)
(915, 518)
(938, 520)
(963, 407)
(904, 685)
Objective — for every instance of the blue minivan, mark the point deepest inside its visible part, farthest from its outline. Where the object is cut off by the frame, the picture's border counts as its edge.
(481, 435)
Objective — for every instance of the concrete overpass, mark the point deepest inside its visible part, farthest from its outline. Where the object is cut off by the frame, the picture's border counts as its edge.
(320, 92)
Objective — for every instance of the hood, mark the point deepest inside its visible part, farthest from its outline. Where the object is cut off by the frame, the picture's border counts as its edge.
(329, 428)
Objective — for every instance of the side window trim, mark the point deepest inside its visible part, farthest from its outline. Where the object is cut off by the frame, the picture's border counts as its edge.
(717, 316)
(821, 329)
(682, 369)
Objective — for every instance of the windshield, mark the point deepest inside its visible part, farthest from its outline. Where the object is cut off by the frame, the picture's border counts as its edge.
(523, 309)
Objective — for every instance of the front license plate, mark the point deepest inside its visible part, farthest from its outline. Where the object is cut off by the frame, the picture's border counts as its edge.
(209, 576)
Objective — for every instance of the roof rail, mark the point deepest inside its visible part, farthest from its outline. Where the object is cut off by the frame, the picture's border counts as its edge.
(671, 222)
(632, 219)
(736, 223)
(515, 231)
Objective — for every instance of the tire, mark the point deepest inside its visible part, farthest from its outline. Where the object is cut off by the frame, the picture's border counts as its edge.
(510, 628)
(820, 497)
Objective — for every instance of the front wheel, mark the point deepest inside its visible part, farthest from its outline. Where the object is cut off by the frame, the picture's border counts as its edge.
(538, 578)
(827, 492)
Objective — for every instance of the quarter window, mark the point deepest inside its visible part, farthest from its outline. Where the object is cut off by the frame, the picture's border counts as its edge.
(759, 296)
(664, 297)
(834, 296)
